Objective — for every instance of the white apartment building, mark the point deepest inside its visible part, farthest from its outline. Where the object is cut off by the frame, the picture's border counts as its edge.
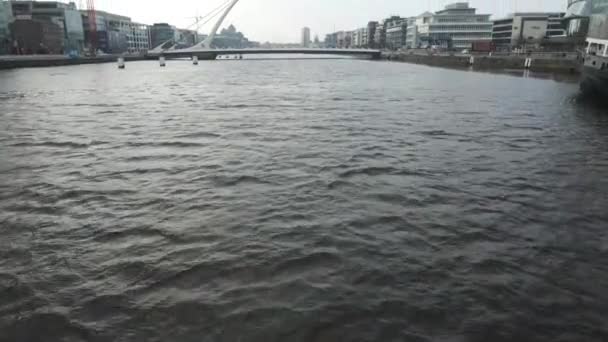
(364, 37)
(457, 26)
(527, 28)
(118, 34)
(138, 39)
(359, 37)
(411, 37)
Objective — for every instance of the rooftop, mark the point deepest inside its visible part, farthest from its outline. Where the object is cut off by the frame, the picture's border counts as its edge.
(456, 8)
(107, 15)
(531, 14)
(458, 5)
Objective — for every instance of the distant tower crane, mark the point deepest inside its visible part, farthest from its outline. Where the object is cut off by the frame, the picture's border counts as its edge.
(92, 26)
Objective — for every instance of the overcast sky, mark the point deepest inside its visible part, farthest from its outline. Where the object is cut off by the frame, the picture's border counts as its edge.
(282, 20)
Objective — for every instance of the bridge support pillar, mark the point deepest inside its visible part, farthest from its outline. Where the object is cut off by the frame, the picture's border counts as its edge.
(121, 63)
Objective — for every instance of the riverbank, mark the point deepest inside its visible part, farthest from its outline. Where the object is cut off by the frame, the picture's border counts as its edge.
(39, 61)
(541, 63)
(538, 63)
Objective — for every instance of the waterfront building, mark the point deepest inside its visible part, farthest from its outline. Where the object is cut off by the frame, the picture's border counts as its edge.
(597, 33)
(161, 33)
(340, 39)
(359, 38)
(417, 29)
(521, 29)
(186, 38)
(47, 16)
(411, 36)
(370, 34)
(457, 26)
(595, 69)
(555, 25)
(579, 14)
(114, 30)
(116, 33)
(364, 37)
(138, 38)
(345, 39)
(6, 16)
(355, 39)
(380, 36)
(100, 41)
(396, 33)
(30, 36)
(134, 38)
(305, 38)
(331, 40)
(577, 18)
(231, 38)
(381, 31)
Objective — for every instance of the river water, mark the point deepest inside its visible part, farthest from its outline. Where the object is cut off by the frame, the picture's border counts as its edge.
(300, 200)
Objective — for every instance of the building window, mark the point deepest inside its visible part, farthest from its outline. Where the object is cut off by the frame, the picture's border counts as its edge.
(595, 48)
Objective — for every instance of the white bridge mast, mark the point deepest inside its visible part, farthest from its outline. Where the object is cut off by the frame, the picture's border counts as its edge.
(207, 42)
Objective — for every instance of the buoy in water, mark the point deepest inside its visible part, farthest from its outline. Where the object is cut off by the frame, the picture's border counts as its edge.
(162, 62)
(121, 63)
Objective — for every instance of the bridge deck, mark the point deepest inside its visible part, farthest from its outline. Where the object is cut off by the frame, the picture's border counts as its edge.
(213, 53)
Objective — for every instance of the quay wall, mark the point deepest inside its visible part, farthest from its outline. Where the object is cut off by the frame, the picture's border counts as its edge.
(13, 62)
(541, 64)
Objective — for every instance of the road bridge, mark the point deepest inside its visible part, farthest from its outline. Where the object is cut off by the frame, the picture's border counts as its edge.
(211, 54)
(203, 50)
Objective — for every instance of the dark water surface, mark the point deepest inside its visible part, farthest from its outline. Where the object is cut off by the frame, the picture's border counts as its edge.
(300, 200)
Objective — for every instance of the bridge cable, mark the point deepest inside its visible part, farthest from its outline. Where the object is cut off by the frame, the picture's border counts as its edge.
(214, 13)
(209, 17)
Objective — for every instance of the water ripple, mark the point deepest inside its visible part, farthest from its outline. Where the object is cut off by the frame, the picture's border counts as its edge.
(319, 200)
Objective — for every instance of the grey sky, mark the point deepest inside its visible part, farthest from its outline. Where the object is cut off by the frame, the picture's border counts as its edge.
(282, 20)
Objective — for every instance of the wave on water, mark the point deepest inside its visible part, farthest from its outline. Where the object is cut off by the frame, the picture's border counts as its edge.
(308, 200)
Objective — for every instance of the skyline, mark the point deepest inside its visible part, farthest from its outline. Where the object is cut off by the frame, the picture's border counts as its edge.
(283, 19)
